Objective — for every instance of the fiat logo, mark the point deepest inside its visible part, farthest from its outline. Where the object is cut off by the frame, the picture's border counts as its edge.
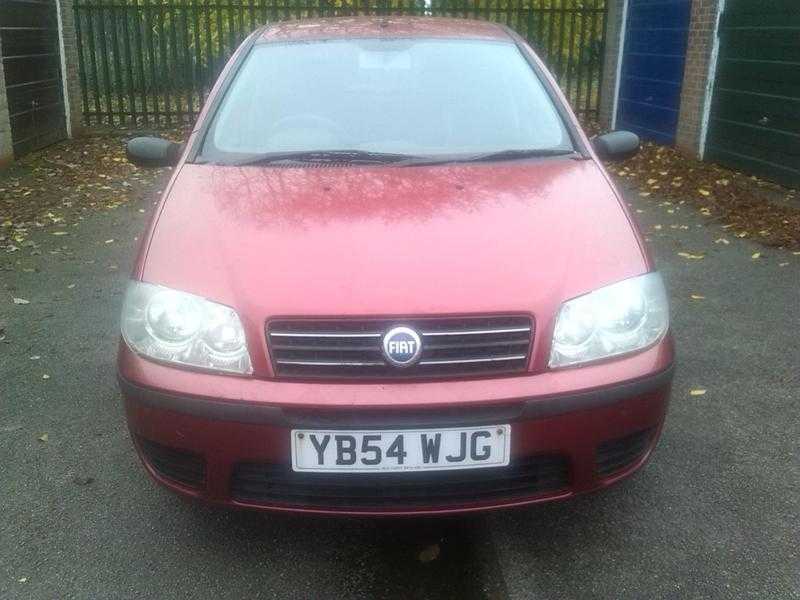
(402, 346)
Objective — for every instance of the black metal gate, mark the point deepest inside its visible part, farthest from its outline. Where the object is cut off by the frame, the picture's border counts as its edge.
(30, 50)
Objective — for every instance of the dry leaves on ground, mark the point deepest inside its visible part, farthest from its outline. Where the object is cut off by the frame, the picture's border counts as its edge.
(429, 554)
(54, 188)
(748, 206)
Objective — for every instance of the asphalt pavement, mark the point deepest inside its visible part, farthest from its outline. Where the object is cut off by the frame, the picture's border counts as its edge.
(715, 514)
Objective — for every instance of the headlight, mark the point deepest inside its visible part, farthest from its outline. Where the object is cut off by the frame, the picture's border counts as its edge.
(620, 318)
(181, 328)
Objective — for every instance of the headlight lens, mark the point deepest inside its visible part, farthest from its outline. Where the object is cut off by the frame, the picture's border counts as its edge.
(617, 319)
(181, 328)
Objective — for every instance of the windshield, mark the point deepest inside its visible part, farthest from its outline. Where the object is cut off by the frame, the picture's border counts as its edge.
(408, 97)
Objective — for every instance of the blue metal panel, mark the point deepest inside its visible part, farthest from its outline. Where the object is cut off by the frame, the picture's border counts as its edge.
(652, 68)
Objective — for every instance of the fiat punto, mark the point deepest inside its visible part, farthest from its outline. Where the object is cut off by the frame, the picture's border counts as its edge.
(390, 275)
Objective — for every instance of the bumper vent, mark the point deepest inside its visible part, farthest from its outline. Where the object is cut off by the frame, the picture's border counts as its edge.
(615, 455)
(352, 349)
(278, 484)
(186, 468)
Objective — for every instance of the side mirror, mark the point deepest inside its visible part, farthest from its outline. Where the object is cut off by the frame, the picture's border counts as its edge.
(153, 152)
(617, 145)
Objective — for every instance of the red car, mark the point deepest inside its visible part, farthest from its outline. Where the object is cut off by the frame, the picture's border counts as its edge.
(390, 276)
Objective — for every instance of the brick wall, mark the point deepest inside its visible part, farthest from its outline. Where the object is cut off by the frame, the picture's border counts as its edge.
(695, 75)
(72, 90)
(609, 83)
(6, 150)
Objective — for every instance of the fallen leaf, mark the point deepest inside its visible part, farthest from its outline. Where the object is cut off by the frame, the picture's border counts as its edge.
(703, 192)
(21, 301)
(644, 194)
(45, 376)
(111, 241)
(721, 241)
(43, 438)
(756, 255)
(61, 233)
(689, 256)
(35, 357)
(697, 392)
(429, 554)
(22, 579)
(697, 297)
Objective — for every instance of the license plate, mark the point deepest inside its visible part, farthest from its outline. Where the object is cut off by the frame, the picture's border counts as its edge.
(400, 450)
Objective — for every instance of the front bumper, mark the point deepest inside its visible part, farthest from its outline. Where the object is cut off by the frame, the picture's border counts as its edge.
(233, 449)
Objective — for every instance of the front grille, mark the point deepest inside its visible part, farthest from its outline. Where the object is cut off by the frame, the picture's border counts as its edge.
(180, 466)
(615, 455)
(451, 347)
(278, 484)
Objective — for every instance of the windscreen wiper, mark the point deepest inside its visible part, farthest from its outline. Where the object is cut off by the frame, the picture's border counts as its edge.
(324, 156)
(513, 154)
(500, 155)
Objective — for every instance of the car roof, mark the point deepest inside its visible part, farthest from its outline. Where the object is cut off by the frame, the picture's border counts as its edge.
(382, 27)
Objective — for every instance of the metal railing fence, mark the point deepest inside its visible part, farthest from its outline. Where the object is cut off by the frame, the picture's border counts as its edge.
(152, 62)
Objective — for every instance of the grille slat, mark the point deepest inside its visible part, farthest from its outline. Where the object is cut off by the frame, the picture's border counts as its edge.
(476, 332)
(325, 348)
(352, 348)
(480, 344)
(318, 363)
(454, 361)
(326, 334)
(278, 484)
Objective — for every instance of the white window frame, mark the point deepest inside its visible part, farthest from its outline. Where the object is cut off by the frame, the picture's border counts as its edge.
(623, 30)
(710, 79)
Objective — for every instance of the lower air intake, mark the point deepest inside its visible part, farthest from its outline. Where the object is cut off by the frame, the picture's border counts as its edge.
(616, 455)
(279, 485)
(180, 466)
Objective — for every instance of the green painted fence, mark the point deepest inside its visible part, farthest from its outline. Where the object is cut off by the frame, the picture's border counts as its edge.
(152, 62)
(754, 122)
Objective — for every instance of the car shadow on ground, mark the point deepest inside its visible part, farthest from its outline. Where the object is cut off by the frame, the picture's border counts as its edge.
(380, 557)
